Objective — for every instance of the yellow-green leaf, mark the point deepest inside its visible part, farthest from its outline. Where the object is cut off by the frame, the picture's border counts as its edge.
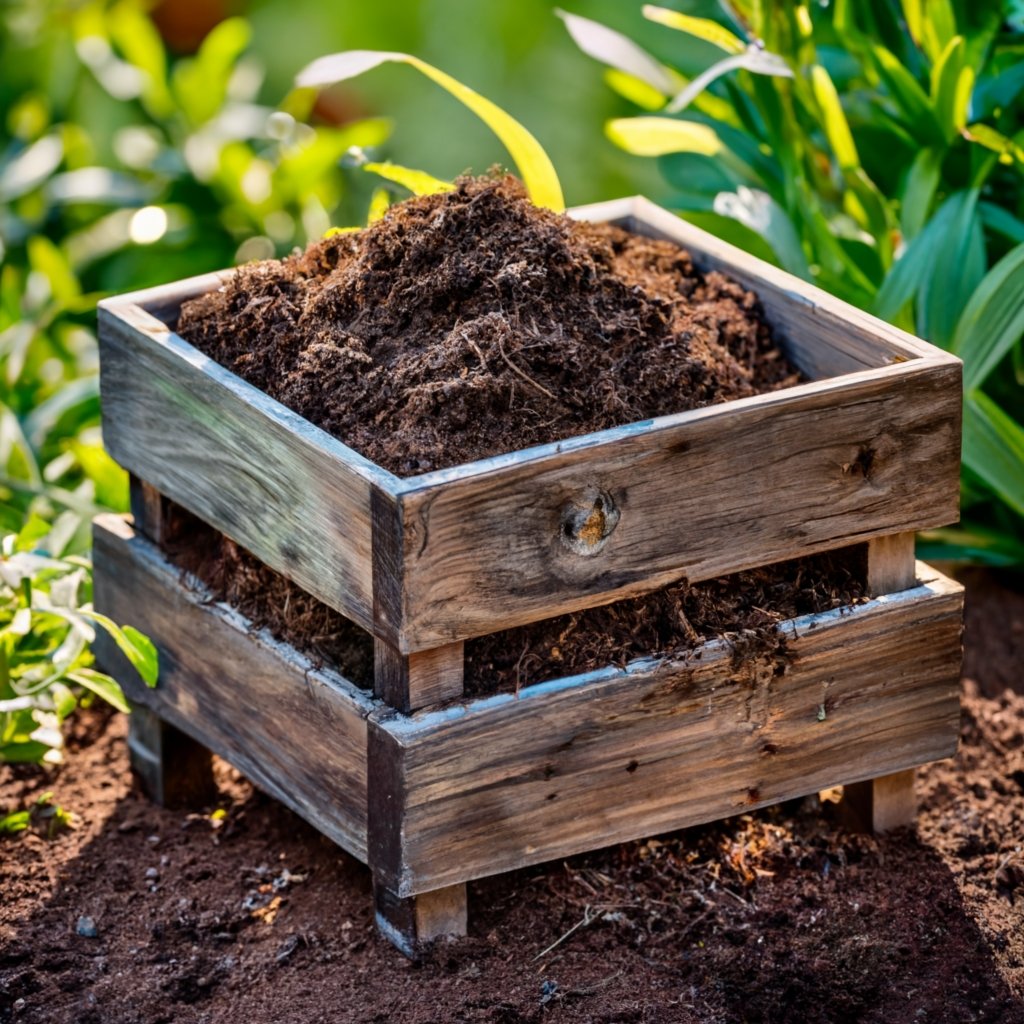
(1007, 148)
(656, 136)
(380, 201)
(419, 183)
(837, 128)
(534, 165)
(634, 89)
(701, 28)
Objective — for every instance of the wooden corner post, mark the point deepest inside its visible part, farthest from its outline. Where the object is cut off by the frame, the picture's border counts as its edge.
(887, 802)
(408, 682)
(174, 769)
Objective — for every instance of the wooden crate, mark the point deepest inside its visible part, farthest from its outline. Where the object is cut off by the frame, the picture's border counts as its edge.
(866, 451)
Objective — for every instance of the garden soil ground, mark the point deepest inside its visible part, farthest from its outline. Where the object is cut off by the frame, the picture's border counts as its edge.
(251, 917)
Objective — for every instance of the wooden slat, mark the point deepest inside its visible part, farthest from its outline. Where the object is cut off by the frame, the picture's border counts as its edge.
(575, 764)
(296, 731)
(700, 494)
(270, 480)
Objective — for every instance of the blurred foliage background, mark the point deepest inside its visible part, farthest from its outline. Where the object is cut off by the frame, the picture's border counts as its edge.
(882, 157)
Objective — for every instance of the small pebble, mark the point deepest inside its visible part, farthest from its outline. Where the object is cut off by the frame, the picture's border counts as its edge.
(86, 927)
(152, 873)
(19, 1005)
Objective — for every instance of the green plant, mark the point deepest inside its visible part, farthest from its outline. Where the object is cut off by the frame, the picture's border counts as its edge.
(119, 169)
(874, 148)
(535, 167)
(46, 626)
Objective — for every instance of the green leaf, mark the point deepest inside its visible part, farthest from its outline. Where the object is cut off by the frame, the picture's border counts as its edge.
(760, 213)
(45, 258)
(201, 84)
(701, 28)
(919, 190)
(951, 87)
(993, 320)
(996, 219)
(103, 686)
(837, 128)
(135, 646)
(957, 270)
(1008, 149)
(534, 165)
(912, 270)
(993, 448)
(971, 542)
(138, 39)
(910, 98)
(17, 821)
(419, 183)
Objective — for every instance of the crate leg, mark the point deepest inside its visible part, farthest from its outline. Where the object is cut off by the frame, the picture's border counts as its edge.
(882, 804)
(175, 770)
(409, 682)
(413, 922)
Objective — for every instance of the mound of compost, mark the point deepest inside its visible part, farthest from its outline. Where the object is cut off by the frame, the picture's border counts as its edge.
(745, 609)
(471, 323)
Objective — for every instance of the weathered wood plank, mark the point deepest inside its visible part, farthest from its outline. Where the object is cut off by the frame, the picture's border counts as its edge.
(697, 495)
(270, 480)
(296, 731)
(574, 764)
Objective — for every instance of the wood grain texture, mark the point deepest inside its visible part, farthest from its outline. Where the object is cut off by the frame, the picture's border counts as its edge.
(298, 732)
(615, 755)
(270, 480)
(699, 495)
(414, 922)
(882, 804)
(409, 682)
(891, 563)
(149, 510)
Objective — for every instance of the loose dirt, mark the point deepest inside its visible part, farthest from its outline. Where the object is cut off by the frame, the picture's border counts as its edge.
(778, 916)
(472, 323)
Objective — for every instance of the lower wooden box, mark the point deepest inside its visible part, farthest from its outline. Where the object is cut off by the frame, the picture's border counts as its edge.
(437, 798)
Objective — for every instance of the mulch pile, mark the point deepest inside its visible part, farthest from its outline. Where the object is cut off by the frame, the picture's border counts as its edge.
(768, 918)
(472, 323)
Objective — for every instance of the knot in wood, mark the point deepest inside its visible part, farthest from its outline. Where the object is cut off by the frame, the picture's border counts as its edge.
(588, 521)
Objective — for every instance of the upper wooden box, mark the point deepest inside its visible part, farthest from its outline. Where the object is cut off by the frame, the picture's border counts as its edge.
(869, 446)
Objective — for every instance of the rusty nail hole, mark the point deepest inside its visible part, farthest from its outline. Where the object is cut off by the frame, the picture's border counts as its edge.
(632, 766)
